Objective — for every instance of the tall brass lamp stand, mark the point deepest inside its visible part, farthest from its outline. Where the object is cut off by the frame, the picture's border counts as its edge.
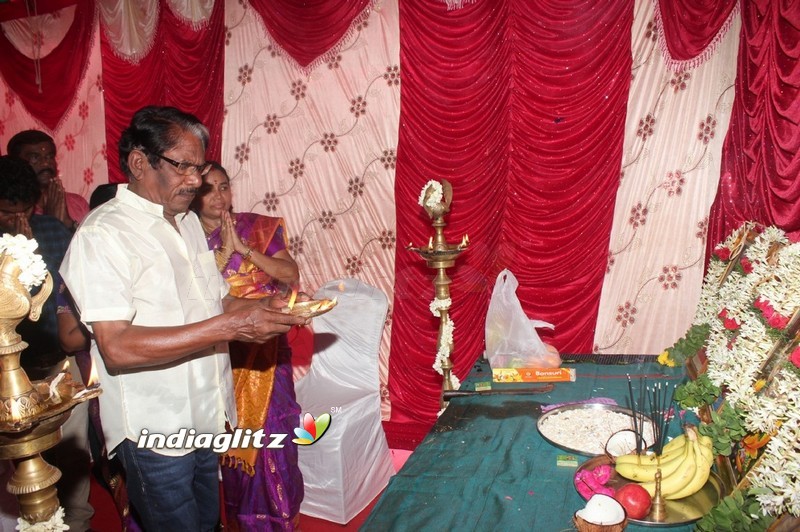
(440, 255)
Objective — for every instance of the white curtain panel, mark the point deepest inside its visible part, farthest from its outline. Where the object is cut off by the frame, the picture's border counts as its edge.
(676, 124)
(130, 26)
(81, 137)
(318, 148)
(195, 12)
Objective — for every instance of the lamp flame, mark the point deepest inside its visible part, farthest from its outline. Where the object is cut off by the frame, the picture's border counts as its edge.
(292, 298)
(93, 378)
(430, 243)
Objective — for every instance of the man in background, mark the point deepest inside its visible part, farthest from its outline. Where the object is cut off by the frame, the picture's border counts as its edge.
(19, 193)
(39, 150)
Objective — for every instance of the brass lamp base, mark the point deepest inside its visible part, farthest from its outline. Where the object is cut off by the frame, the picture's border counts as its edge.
(33, 483)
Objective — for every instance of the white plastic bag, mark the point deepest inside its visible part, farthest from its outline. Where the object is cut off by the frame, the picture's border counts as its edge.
(511, 338)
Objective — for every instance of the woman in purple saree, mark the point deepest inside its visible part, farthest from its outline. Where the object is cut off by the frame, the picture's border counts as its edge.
(262, 488)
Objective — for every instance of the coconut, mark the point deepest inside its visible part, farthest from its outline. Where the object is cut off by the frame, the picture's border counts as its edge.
(624, 442)
(602, 510)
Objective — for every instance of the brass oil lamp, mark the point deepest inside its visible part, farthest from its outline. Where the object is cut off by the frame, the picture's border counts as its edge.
(31, 413)
(440, 255)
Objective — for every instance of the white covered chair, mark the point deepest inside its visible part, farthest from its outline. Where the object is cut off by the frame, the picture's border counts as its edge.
(350, 465)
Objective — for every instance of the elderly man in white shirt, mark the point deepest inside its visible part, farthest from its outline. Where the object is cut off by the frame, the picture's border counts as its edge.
(147, 287)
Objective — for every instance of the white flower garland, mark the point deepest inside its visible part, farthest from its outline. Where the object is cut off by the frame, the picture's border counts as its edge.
(436, 194)
(444, 346)
(447, 339)
(734, 359)
(440, 304)
(23, 251)
(54, 524)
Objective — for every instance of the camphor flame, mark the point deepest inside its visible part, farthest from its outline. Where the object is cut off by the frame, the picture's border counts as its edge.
(292, 298)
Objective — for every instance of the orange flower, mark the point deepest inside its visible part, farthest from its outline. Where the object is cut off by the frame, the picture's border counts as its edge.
(753, 443)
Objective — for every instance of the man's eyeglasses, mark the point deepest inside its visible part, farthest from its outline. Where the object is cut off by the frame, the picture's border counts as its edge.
(184, 168)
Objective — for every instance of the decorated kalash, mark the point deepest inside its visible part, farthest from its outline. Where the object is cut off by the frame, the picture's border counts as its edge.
(31, 413)
(737, 467)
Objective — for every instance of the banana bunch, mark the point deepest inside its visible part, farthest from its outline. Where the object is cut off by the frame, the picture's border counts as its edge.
(685, 464)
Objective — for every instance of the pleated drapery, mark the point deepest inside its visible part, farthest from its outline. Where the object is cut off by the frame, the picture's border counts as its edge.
(760, 161)
(521, 106)
(692, 30)
(183, 68)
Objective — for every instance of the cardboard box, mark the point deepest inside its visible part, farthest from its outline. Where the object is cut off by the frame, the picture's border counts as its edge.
(533, 374)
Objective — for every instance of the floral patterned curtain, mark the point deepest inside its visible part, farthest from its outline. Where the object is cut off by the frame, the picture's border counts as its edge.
(317, 146)
(676, 122)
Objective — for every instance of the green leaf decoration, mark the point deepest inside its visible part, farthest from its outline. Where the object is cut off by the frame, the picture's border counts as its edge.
(696, 393)
(738, 512)
(688, 346)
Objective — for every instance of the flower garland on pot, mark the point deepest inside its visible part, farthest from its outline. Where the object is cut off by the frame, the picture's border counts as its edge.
(747, 324)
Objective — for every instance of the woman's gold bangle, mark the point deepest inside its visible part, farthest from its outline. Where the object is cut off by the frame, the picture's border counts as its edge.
(247, 254)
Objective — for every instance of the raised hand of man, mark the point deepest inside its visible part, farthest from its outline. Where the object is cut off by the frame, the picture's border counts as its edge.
(55, 202)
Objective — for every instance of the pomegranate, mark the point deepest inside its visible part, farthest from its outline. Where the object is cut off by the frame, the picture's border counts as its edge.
(635, 499)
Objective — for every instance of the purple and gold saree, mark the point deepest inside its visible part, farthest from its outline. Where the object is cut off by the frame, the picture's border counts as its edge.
(262, 487)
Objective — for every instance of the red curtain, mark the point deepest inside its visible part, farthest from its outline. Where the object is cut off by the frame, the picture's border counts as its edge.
(760, 162)
(521, 106)
(691, 25)
(183, 69)
(61, 71)
(306, 30)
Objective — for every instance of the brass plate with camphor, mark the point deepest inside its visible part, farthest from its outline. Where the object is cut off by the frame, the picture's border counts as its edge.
(311, 308)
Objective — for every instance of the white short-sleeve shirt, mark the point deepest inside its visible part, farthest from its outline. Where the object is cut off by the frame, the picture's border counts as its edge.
(126, 262)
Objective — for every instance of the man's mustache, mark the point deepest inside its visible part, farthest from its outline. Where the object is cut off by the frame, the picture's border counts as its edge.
(188, 191)
(50, 172)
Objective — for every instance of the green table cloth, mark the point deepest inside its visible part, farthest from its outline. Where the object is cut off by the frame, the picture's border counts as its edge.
(484, 466)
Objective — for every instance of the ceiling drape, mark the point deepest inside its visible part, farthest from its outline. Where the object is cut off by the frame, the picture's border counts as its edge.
(521, 106)
(692, 29)
(308, 31)
(60, 72)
